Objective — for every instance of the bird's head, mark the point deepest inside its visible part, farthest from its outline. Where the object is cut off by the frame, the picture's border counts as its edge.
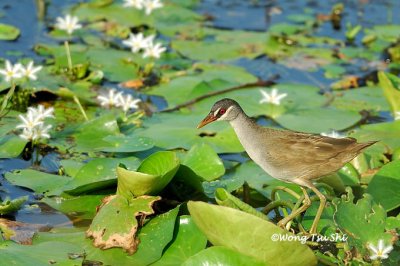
(225, 109)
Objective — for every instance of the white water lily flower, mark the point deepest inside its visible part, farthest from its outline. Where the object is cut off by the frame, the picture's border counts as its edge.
(112, 99)
(397, 115)
(33, 127)
(68, 23)
(30, 71)
(29, 121)
(138, 41)
(333, 134)
(127, 102)
(41, 112)
(380, 251)
(154, 50)
(133, 3)
(11, 71)
(150, 5)
(41, 131)
(274, 97)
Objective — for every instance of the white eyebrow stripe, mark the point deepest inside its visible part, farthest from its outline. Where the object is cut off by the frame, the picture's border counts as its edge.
(216, 112)
(226, 113)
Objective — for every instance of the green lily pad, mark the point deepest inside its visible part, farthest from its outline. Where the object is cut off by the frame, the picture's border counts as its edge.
(363, 222)
(203, 160)
(90, 136)
(221, 256)
(122, 143)
(248, 235)
(224, 198)
(324, 120)
(187, 241)
(10, 206)
(385, 186)
(82, 206)
(38, 181)
(40, 254)
(11, 146)
(391, 93)
(120, 231)
(154, 173)
(97, 174)
(8, 32)
(160, 227)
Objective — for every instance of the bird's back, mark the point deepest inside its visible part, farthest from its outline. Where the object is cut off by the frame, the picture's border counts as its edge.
(293, 155)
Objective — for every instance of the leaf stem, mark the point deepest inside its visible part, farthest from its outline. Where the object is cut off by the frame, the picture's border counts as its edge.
(76, 100)
(68, 52)
(259, 83)
(6, 99)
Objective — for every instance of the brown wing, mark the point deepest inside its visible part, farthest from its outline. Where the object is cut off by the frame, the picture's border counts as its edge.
(311, 156)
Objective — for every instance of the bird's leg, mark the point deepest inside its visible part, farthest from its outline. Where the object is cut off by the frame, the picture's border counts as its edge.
(307, 203)
(321, 207)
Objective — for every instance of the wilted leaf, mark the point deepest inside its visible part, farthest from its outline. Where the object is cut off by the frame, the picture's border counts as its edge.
(120, 231)
(9, 206)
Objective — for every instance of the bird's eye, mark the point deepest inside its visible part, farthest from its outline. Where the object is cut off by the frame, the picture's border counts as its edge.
(222, 111)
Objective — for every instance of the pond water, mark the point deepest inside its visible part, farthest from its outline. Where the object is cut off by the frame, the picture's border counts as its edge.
(244, 15)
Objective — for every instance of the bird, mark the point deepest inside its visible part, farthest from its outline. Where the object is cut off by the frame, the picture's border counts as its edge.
(289, 156)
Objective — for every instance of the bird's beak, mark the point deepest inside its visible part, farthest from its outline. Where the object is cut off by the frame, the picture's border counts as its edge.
(209, 118)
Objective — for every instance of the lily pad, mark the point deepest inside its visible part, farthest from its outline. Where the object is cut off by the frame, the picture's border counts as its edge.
(8, 32)
(38, 181)
(122, 143)
(97, 174)
(82, 206)
(203, 160)
(248, 235)
(11, 146)
(40, 254)
(363, 222)
(187, 241)
(120, 231)
(154, 173)
(385, 186)
(221, 256)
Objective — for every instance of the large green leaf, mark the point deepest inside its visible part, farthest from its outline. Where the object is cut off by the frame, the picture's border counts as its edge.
(188, 240)
(11, 146)
(97, 174)
(154, 173)
(221, 256)
(160, 228)
(248, 235)
(391, 93)
(363, 222)
(38, 181)
(385, 186)
(121, 230)
(203, 160)
(82, 206)
(52, 252)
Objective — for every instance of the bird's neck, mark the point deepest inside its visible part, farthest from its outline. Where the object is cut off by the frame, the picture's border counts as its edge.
(245, 128)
